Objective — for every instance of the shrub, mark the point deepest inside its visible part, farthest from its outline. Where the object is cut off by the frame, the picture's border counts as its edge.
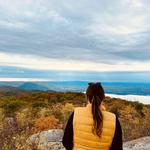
(39, 104)
(12, 136)
(115, 111)
(24, 117)
(59, 115)
(12, 106)
(1, 117)
(45, 123)
(139, 107)
(69, 107)
(52, 100)
(44, 112)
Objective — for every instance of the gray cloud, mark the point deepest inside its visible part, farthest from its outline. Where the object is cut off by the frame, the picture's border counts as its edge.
(99, 31)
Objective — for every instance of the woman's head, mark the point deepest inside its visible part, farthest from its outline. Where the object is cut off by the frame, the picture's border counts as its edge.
(95, 95)
(95, 89)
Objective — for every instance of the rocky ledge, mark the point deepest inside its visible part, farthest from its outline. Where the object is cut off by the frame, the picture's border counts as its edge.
(138, 144)
(52, 140)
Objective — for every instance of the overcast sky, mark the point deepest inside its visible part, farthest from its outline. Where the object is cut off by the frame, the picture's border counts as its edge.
(68, 38)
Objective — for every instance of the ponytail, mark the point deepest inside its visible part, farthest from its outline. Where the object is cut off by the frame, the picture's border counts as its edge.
(95, 95)
(97, 115)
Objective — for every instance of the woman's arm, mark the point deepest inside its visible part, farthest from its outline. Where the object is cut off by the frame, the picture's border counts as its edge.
(68, 134)
(117, 140)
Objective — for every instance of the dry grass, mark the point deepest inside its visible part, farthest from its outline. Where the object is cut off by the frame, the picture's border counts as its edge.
(32, 112)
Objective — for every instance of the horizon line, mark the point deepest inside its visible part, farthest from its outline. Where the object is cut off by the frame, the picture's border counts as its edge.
(49, 80)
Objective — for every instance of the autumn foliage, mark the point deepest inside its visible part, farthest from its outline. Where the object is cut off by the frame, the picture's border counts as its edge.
(45, 123)
(36, 111)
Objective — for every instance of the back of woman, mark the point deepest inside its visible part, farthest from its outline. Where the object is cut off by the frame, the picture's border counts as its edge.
(92, 127)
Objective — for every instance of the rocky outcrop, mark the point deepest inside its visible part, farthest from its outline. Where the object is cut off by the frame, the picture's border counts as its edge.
(47, 140)
(138, 144)
(52, 140)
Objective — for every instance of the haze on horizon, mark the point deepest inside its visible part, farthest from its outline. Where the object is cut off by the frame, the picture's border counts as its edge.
(75, 40)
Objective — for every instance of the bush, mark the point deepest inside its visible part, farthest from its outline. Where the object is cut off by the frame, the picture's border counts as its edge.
(12, 106)
(59, 115)
(69, 107)
(52, 100)
(1, 118)
(139, 107)
(43, 112)
(39, 104)
(115, 111)
(24, 117)
(12, 136)
(45, 123)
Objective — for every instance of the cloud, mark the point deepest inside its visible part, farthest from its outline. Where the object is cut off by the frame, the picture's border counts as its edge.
(8, 73)
(23, 79)
(42, 63)
(69, 35)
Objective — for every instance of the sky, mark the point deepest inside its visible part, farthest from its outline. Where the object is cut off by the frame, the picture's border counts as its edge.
(75, 40)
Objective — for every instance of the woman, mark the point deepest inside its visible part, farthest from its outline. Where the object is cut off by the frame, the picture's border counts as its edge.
(91, 127)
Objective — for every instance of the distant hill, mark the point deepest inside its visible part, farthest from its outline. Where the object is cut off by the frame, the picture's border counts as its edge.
(24, 86)
(9, 90)
(11, 83)
(33, 86)
(119, 88)
(75, 86)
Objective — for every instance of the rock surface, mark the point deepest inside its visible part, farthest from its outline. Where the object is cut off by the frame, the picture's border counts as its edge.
(52, 140)
(47, 140)
(138, 144)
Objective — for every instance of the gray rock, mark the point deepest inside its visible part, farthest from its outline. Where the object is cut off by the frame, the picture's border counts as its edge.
(47, 140)
(52, 140)
(138, 144)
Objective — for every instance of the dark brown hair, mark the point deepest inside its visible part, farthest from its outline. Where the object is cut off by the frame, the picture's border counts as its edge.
(95, 95)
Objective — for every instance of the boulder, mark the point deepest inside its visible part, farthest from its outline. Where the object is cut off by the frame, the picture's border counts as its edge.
(138, 144)
(47, 140)
(52, 140)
